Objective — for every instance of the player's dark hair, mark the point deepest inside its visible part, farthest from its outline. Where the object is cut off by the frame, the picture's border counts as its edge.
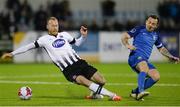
(154, 17)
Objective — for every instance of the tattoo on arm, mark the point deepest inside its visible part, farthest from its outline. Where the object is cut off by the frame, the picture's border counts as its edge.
(165, 52)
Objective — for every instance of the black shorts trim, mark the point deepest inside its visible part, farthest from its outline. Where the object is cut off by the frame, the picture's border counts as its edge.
(81, 67)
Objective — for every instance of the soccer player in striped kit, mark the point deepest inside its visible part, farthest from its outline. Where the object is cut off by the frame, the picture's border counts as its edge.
(76, 70)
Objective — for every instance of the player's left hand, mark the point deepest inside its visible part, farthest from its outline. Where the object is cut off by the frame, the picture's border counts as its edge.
(6, 56)
(83, 31)
(174, 59)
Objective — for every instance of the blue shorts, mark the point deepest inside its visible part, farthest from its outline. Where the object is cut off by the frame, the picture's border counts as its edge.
(135, 59)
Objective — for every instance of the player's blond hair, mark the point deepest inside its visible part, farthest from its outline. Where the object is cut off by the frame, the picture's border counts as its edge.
(52, 18)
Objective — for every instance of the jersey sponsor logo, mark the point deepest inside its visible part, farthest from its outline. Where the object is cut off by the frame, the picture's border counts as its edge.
(58, 43)
(133, 30)
(139, 58)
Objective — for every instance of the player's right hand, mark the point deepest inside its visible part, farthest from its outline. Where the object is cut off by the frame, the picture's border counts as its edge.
(131, 47)
(6, 55)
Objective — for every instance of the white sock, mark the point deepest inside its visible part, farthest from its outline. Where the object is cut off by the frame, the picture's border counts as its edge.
(93, 87)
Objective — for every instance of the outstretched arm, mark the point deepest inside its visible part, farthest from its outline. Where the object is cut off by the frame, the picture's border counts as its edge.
(167, 54)
(83, 32)
(125, 40)
(19, 51)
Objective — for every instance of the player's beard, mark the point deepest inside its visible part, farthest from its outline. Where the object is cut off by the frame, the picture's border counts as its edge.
(54, 33)
(150, 29)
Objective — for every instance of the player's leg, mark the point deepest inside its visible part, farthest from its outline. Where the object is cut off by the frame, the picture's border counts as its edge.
(81, 73)
(138, 64)
(90, 73)
(154, 76)
(99, 79)
(96, 87)
(143, 69)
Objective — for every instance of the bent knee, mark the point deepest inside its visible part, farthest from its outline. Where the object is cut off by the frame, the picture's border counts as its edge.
(83, 81)
(98, 78)
(101, 81)
(156, 77)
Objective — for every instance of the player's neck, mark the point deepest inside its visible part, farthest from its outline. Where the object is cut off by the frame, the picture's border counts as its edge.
(52, 34)
(148, 30)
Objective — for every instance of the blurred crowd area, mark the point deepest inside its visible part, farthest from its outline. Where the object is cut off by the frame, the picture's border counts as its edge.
(19, 16)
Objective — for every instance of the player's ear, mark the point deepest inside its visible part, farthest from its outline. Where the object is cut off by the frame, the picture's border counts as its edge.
(157, 25)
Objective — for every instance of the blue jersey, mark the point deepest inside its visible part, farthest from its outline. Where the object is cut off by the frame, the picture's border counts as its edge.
(144, 41)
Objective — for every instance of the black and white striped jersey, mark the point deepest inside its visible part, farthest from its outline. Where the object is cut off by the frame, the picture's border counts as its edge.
(59, 49)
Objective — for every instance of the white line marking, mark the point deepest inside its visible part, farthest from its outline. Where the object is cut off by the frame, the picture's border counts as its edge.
(35, 82)
(68, 83)
(61, 75)
(30, 76)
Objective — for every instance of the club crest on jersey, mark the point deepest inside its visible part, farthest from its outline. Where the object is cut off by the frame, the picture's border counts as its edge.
(133, 30)
(139, 58)
(58, 43)
(154, 37)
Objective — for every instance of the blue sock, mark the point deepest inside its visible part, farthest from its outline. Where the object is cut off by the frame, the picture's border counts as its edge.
(141, 81)
(135, 90)
(148, 83)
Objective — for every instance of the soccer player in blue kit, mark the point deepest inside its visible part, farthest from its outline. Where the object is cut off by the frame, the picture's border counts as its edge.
(145, 37)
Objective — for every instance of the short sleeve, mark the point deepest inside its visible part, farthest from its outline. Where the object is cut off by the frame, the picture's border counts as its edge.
(135, 31)
(158, 43)
(69, 38)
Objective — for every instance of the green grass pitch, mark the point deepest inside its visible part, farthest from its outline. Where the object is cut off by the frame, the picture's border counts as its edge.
(50, 88)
